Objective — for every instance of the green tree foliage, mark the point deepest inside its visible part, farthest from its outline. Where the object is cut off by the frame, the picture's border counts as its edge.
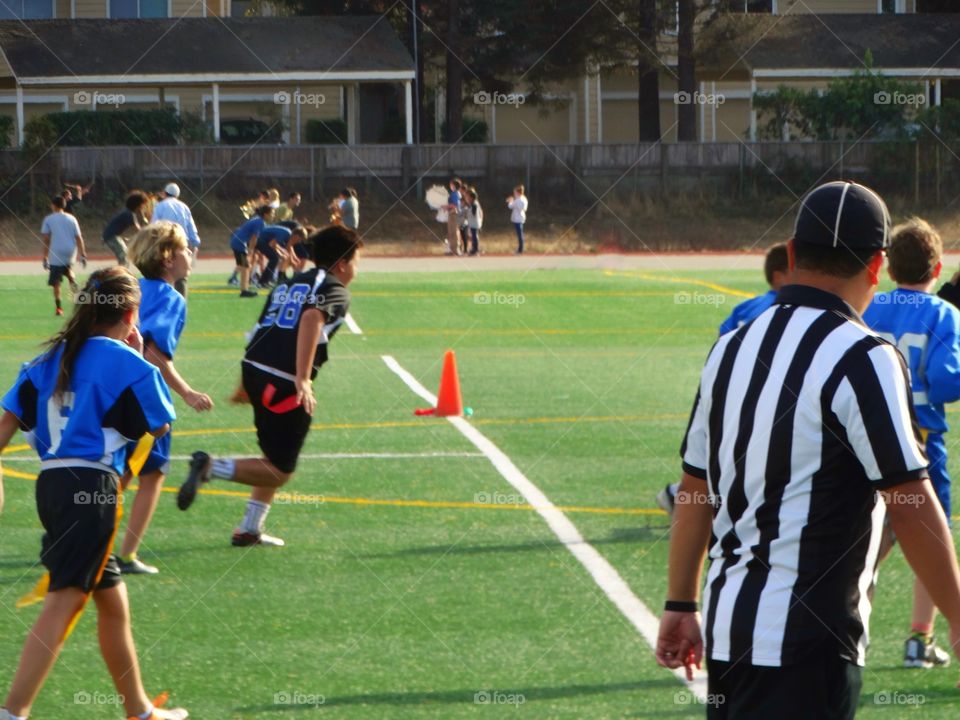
(863, 106)
(6, 130)
(326, 132)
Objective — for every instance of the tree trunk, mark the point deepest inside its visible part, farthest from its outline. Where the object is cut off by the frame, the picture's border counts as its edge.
(686, 71)
(454, 74)
(648, 96)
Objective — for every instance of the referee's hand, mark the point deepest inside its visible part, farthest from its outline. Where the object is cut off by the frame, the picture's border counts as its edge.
(680, 643)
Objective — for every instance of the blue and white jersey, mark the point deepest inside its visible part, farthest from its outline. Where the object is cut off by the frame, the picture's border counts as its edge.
(747, 311)
(240, 239)
(114, 397)
(163, 313)
(273, 232)
(926, 331)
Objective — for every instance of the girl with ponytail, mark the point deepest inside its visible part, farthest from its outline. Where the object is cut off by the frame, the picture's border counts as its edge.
(78, 404)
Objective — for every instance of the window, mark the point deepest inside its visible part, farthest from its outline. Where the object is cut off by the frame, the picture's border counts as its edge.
(241, 8)
(137, 8)
(758, 6)
(893, 6)
(26, 9)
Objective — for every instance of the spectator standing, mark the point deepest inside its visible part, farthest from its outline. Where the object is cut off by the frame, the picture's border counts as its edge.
(173, 209)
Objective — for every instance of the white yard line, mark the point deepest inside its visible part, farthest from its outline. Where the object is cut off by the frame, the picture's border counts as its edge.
(352, 324)
(603, 573)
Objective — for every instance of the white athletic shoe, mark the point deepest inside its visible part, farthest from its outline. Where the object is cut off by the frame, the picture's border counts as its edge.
(169, 714)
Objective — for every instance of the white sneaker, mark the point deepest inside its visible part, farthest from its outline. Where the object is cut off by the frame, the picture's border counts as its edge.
(169, 714)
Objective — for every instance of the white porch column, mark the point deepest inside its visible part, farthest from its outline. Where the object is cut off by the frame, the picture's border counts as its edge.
(753, 112)
(298, 133)
(703, 113)
(713, 110)
(216, 112)
(20, 135)
(586, 107)
(408, 109)
(353, 121)
(936, 92)
(599, 109)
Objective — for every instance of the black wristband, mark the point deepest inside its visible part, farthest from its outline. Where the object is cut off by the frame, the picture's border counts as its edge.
(680, 606)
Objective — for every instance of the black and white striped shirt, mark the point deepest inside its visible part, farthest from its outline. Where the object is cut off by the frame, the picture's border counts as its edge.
(800, 417)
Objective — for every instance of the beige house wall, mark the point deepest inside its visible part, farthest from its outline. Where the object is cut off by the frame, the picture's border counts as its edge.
(804, 7)
(548, 122)
(91, 8)
(186, 8)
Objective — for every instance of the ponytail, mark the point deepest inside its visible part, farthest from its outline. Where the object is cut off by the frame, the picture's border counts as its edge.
(107, 296)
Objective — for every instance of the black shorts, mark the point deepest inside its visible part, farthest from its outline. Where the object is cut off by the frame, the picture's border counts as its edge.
(78, 508)
(280, 434)
(57, 274)
(823, 686)
(243, 260)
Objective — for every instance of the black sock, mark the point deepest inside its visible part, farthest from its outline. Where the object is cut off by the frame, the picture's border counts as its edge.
(57, 300)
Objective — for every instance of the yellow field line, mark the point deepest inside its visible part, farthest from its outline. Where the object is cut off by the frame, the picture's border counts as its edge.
(471, 294)
(301, 498)
(15, 448)
(685, 281)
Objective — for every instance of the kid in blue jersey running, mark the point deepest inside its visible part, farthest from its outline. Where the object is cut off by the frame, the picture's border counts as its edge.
(161, 253)
(79, 404)
(926, 330)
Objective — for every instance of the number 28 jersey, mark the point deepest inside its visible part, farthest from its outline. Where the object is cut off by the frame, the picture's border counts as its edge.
(273, 347)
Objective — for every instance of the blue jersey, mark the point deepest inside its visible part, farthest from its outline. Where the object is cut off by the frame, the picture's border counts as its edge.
(163, 313)
(273, 232)
(114, 397)
(747, 311)
(926, 331)
(241, 236)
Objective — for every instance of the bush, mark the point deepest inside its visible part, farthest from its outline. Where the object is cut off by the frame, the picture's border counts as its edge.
(119, 127)
(326, 132)
(194, 130)
(6, 129)
(474, 131)
(864, 105)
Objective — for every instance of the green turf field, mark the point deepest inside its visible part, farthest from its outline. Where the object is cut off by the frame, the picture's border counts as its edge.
(452, 602)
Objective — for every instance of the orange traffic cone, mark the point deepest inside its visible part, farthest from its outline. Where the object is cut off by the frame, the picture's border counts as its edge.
(449, 401)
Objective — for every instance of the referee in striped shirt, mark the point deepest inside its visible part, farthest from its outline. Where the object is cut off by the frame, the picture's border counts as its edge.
(801, 438)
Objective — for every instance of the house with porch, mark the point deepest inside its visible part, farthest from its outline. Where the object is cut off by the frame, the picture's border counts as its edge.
(285, 70)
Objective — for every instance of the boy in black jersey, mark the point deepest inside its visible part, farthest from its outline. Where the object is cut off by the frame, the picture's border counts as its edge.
(287, 348)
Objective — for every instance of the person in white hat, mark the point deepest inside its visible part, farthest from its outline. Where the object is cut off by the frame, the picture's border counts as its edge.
(173, 209)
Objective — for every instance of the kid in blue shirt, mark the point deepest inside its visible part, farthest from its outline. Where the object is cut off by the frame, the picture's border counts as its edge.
(161, 253)
(78, 404)
(926, 330)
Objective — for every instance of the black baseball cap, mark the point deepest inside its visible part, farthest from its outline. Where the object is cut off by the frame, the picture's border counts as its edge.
(843, 214)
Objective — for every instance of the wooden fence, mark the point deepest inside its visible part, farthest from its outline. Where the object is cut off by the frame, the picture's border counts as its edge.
(318, 171)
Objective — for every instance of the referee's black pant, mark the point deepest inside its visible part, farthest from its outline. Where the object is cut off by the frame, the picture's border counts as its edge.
(822, 687)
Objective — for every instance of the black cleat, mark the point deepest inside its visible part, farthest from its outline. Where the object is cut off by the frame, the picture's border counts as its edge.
(200, 465)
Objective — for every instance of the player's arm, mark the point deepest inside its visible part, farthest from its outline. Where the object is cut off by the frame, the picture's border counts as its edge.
(680, 643)
(9, 424)
(81, 248)
(46, 247)
(921, 527)
(308, 335)
(197, 400)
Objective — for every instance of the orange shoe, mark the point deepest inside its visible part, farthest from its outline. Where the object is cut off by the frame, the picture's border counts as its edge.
(59, 311)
